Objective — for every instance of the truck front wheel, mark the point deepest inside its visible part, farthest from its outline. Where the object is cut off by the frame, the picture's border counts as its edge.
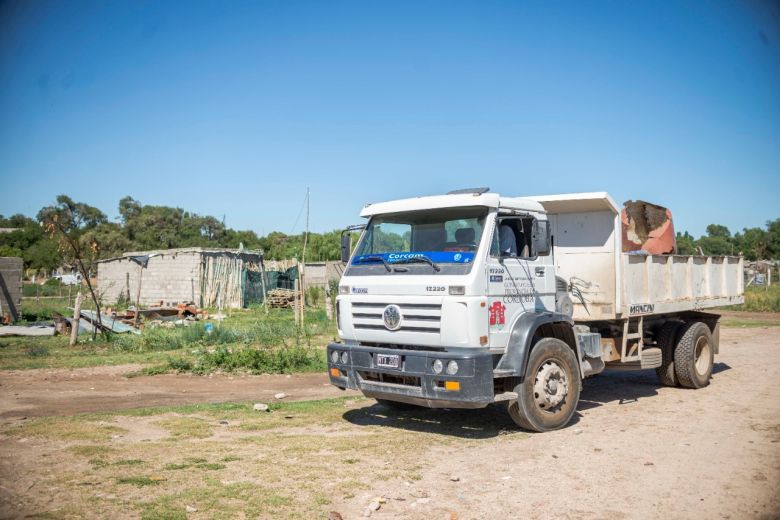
(694, 356)
(548, 396)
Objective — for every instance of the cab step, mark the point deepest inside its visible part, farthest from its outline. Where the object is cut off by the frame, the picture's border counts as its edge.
(505, 396)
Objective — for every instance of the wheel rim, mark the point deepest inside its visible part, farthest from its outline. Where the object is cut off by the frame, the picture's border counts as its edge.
(550, 386)
(702, 356)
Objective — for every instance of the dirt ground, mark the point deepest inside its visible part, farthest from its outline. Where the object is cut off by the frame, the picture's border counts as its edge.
(44, 392)
(634, 450)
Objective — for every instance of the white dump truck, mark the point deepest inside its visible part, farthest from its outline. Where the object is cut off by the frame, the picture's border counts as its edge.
(471, 298)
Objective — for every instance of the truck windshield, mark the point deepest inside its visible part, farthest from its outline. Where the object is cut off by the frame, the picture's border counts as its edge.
(447, 235)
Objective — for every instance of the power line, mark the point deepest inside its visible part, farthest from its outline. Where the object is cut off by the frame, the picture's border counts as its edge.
(305, 200)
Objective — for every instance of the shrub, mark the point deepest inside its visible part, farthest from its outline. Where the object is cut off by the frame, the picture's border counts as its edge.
(314, 295)
(254, 360)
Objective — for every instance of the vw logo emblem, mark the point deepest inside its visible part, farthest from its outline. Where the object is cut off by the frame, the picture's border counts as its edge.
(392, 317)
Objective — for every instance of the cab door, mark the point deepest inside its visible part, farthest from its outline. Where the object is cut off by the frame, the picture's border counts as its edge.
(521, 277)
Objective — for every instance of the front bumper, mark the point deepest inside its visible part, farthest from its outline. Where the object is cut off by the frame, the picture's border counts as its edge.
(414, 381)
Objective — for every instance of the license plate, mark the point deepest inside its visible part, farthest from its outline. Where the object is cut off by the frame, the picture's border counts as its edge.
(388, 360)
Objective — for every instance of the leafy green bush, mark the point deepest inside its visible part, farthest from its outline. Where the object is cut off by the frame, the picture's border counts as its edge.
(254, 360)
(315, 296)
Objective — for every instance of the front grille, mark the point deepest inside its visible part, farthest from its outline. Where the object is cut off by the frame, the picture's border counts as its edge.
(417, 317)
(421, 348)
(390, 379)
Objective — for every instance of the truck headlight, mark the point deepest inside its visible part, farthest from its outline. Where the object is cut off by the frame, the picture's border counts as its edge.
(344, 357)
(437, 366)
(343, 289)
(452, 367)
(334, 356)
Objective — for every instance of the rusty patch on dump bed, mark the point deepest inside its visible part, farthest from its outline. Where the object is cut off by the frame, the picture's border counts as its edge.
(647, 227)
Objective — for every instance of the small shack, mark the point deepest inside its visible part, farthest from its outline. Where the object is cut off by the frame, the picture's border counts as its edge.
(11, 269)
(226, 278)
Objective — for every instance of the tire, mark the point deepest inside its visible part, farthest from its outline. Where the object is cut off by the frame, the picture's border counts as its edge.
(396, 405)
(694, 356)
(666, 338)
(551, 363)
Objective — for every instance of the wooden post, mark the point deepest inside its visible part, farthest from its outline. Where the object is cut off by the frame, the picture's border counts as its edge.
(262, 281)
(69, 293)
(138, 296)
(303, 291)
(296, 301)
(74, 324)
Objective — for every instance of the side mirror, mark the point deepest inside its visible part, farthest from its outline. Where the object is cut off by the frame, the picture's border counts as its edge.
(541, 237)
(346, 246)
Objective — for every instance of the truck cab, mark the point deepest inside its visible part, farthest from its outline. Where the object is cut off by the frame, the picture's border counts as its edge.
(453, 301)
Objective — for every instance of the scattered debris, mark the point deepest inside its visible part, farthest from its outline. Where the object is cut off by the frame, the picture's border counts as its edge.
(107, 323)
(335, 515)
(455, 478)
(577, 431)
(374, 506)
(281, 298)
(260, 407)
(32, 330)
(280, 395)
(647, 227)
(192, 509)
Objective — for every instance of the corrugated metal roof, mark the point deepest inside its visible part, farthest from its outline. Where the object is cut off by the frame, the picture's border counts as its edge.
(182, 250)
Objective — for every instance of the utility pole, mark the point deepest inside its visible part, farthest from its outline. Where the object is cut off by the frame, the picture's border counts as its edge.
(303, 259)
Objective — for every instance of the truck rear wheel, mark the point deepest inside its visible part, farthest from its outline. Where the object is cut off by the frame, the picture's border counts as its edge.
(694, 356)
(548, 396)
(666, 338)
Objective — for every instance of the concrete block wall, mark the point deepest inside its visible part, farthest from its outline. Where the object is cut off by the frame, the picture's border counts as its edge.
(319, 273)
(11, 286)
(170, 277)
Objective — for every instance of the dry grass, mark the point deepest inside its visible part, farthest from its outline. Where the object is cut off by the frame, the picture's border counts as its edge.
(298, 461)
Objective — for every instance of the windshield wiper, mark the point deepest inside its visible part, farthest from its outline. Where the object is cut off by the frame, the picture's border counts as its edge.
(375, 259)
(419, 259)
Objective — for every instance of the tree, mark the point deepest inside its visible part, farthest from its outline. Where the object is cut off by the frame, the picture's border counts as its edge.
(718, 241)
(70, 223)
(773, 238)
(753, 243)
(43, 255)
(686, 244)
(129, 208)
(716, 230)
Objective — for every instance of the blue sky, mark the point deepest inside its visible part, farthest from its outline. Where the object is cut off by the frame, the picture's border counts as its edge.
(234, 108)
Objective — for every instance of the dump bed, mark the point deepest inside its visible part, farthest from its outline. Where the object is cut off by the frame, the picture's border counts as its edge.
(609, 284)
